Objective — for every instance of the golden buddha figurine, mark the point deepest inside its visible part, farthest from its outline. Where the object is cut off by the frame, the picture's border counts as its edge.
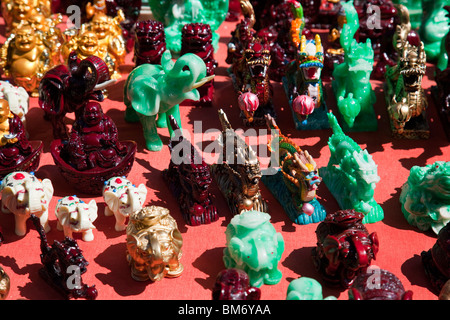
(97, 6)
(16, 11)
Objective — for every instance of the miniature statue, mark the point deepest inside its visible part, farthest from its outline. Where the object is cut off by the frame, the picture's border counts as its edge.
(189, 180)
(295, 183)
(24, 194)
(445, 291)
(436, 261)
(238, 172)
(351, 85)
(305, 288)
(74, 215)
(197, 38)
(5, 284)
(378, 284)
(344, 247)
(415, 11)
(150, 42)
(351, 175)
(425, 197)
(234, 284)
(122, 198)
(234, 10)
(152, 91)
(59, 262)
(175, 14)
(253, 245)
(16, 11)
(153, 245)
(17, 98)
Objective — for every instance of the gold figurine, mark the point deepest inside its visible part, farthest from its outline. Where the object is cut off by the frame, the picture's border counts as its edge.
(16, 11)
(4, 284)
(153, 244)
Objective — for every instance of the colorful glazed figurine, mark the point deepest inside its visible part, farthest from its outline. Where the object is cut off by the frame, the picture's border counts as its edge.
(436, 261)
(5, 284)
(153, 245)
(253, 245)
(197, 38)
(351, 85)
(351, 175)
(17, 97)
(425, 197)
(122, 198)
(175, 14)
(59, 262)
(189, 180)
(16, 11)
(23, 194)
(74, 215)
(378, 284)
(344, 248)
(295, 183)
(154, 91)
(234, 284)
(150, 42)
(238, 172)
(305, 288)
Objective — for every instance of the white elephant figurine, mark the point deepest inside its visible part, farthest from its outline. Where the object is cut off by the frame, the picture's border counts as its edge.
(17, 98)
(23, 194)
(123, 198)
(75, 215)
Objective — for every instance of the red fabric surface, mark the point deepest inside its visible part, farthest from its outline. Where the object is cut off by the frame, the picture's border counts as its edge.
(400, 243)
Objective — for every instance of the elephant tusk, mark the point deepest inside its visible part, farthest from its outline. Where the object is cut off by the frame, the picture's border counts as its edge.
(105, 84)
(202, 82)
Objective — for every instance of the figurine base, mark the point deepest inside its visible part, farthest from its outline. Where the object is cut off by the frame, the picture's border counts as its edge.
(443, 114)
(276, 185)
(30, 164)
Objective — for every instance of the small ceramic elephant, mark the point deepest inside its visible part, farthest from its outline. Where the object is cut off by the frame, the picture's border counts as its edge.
(23, 194)
(74, 215)
(123, 198)
(17, 98)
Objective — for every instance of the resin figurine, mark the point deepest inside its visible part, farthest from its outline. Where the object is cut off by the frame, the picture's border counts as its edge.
(378, 284)
(5, 284)
(253, 245)
(16, 11)
(189, 180)
(234, 10)
(234, 284)
(122, 198)
(74, 215)
(425, 197)
(344, 248)
(351, 85)
(351, 175)
(295, 183)
(197, 38)
(305, 288)
(153, 245)
(238, 172)
(59, 261)
(153, 92)
(175, 14)
(436, 261)
(415, 11)
(17, 97)
(23, 194)
(150, 42)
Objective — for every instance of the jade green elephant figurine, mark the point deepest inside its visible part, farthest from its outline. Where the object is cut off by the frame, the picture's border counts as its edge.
(153, 92)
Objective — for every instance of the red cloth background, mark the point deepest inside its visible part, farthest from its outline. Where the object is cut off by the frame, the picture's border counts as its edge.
(400, 243)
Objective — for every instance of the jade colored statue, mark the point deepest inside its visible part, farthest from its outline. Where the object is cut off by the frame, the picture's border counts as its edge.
(175, 14)
(153, 92)
(351, 175)
(305, 288)
(425, 197)
(253, 245)
(351, 85)
(415, 11)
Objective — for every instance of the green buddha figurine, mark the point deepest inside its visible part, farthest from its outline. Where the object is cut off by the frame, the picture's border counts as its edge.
(305, 288)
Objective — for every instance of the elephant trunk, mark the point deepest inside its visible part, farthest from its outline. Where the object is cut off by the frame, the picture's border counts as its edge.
(35, 205)
(262, 256)
(80, 217)
(133, 199)
(156, 267)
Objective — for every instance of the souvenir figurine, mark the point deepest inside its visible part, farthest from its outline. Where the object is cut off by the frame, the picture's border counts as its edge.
(295, 183)
(150, 42)
(59, 262)
(305, 288)
(74, 215)
(154, 245)
(16, 11)
(123, 198)
(17, 97)
(197, 38)
(344, 248)
(234, 284)
(23, 194)
(93, 152)
(189, 181)
(425, 196)
(351, 175)
(445, 291)
(238, 172)
(156, 90)
(436, 261)
(415, 11)
(327, 15)
(378, 284)
(351, 85)
(175, 15)
(253, 245)
(234, 10)
(5, 284)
